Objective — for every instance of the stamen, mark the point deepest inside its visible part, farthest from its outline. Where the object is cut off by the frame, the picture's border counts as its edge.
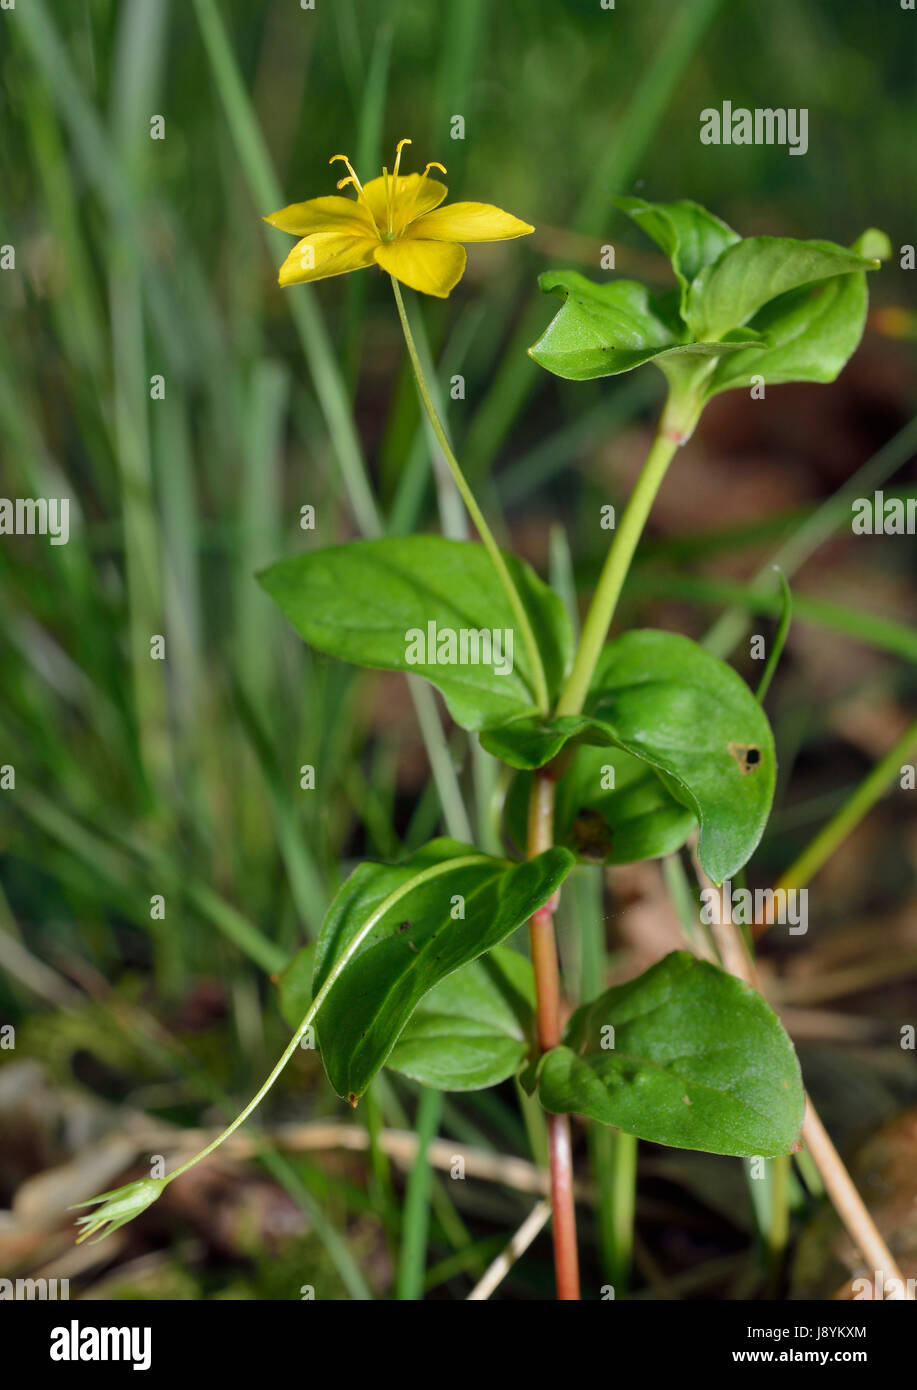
(398, 148)
(420, 183)
(350, 169)
(388, 200)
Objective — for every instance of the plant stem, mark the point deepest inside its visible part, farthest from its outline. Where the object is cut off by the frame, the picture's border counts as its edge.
(474, 511)
(678, 419)
(677, 422)
(547, 994)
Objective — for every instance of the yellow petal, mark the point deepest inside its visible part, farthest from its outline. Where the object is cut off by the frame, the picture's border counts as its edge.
(323, 215)
(433, 267)
(411, 195)
(468, 222)
(326, 253)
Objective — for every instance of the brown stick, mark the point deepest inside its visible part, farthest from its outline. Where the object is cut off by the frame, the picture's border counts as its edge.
(847, 1202)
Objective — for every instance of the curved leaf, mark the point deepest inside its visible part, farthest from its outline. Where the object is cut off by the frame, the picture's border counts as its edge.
(605, 329)
(695, 1059)
(665, 700)
(689, 235)
(813, 332)
(360, 602)
(295, 985)
(474, 1028)
(693, 718)
(413, 925)
(727, 294)
(636, 818)
(529, 741)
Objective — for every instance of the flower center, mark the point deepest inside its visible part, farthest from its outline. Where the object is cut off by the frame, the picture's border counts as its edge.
(397, 217)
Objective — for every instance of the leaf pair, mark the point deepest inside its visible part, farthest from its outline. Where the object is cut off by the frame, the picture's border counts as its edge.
(472, 1030)
(683, 1055)
(428, 917)
(656, 696)
(774, 307)
(665, 701)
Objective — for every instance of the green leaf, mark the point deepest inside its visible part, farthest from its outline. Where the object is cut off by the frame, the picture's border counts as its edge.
(295, 986)
(689, 235)
(812, 332)
(530, 741)
(412, 934)
(693, 718)
(874, 245)
(637, 818)
(698, 1061)
(372, 603)
(474, 1028)
(602, 329)
(605, 329)
(665, 700)
(748, 275)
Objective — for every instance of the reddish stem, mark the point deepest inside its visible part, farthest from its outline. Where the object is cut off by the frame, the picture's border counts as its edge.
(547, 995)
(566, 1258)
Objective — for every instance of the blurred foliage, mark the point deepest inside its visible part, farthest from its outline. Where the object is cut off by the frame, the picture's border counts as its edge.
(139, 257)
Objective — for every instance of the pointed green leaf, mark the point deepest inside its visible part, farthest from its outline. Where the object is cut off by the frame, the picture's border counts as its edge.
(609, 808)
(413, 925)
(295, 985)
(602, 329)
(373, 603)
(474, 1028)
(814, 332)
(605, 329)
(811, 332)
(728, 293)
(684, 1055)
(689, 235)
(530, 741)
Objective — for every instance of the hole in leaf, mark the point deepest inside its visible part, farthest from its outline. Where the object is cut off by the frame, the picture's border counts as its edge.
(746, 755)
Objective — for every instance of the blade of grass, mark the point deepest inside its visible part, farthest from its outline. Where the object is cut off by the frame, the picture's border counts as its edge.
(412, 1261)
(783, 628)
(817, 528)
(885, 634)
(867, 794)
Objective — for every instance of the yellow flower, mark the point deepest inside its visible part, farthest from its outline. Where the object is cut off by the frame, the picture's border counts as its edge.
(395, 222)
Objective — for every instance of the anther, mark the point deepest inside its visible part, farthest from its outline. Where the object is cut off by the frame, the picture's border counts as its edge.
(420, 183)
(398, 148)
(350, 169)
